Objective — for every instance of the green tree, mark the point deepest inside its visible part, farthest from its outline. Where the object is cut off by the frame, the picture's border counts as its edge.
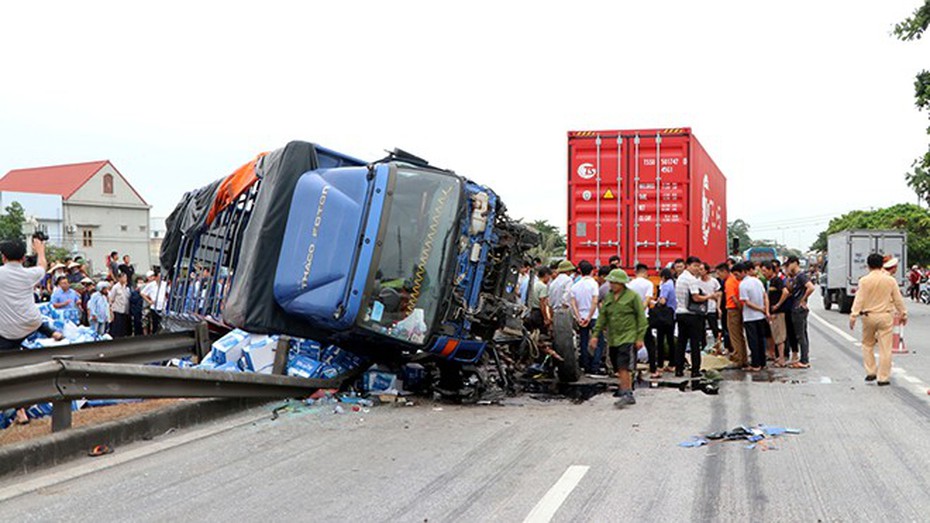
(11, 223)
(552, 241)
(912, 28)
(739, 229)
(906, 216)
(56, 254)
(820, 244)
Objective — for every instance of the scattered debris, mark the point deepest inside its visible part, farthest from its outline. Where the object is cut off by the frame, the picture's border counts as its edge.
(759, 436)
(274, 413)
(65, 321)
(581, 392)
(100, 450)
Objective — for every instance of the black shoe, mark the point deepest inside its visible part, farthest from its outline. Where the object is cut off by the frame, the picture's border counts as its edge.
(870, 377)
(626, 399)
(883, 383)
(679, 374)
(618, 393)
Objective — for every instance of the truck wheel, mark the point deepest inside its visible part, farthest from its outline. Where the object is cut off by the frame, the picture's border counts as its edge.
(845, 303)
(827, 303)
(563, 342)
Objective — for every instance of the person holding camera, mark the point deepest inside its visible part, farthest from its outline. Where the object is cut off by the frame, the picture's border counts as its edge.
(19, 314)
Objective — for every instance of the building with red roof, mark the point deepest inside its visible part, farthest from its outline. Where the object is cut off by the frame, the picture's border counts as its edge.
(101, 212)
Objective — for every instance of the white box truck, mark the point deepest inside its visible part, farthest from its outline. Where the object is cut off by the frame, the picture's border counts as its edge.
(847, 252)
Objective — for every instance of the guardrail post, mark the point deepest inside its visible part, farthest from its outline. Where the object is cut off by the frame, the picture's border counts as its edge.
(280, 355)
(202, 339)
(61, 415)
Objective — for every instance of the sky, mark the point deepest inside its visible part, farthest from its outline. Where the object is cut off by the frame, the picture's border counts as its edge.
(806, 107)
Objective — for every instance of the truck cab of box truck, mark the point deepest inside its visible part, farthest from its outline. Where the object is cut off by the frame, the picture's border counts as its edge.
(385, 258)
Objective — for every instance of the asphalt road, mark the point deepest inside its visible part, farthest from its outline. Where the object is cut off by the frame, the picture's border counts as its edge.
(863, 456)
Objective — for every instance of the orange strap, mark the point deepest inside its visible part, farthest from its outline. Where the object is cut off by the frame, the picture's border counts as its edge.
(232, 187)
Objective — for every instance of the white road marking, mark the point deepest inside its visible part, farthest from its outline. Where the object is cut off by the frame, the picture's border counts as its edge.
(550, 503)
(825, 323)
(920, 388)
(118, 458)
(825, 380)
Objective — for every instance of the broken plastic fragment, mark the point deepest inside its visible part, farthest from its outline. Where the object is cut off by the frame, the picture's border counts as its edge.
(696, 442)
(774, 431)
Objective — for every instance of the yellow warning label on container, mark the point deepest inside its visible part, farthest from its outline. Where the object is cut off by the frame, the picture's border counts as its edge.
(608, 195)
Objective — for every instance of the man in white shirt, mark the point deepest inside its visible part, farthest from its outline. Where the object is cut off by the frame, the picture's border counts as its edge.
(19, 314)
(155, 294)
(690, 318)
(710, 287)
(583, 303)
(755, 313)
(560, 287)
(646, 290)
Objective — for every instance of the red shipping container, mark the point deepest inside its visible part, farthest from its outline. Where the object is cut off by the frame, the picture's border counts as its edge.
(664, 199)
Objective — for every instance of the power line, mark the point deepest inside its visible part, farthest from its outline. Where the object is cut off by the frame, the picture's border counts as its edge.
(786, 221)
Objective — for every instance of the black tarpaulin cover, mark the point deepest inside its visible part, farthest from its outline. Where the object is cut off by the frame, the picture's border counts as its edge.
(251, 305)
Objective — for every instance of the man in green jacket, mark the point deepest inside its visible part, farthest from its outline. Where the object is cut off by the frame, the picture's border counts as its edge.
(622, 316)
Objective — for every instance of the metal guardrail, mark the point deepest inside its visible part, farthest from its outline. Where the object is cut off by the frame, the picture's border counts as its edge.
(63, 380)
(142, 349)
(108, 370)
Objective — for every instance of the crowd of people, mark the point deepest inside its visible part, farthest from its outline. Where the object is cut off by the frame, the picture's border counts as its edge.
(110, 305)
(754, 313)
(119, 303)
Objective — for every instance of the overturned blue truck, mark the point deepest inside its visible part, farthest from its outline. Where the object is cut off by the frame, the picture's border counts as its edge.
(395, 260)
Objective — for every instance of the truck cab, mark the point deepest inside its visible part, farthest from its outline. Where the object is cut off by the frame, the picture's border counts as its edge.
(386, 259)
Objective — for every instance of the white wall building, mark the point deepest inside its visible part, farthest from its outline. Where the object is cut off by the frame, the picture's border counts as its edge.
(157, 230)
(101, 211)
(44, 212)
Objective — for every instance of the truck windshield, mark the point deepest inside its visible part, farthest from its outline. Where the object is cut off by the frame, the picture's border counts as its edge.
(406, 291)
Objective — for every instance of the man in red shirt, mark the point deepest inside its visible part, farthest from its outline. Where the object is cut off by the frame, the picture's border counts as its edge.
(735, 317)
